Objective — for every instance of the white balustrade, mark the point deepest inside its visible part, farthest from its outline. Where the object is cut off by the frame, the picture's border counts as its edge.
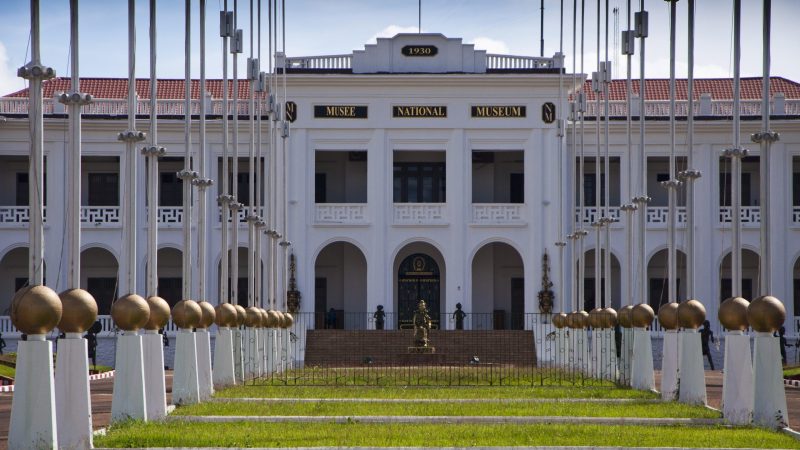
(749, 215)
(592, 214)
(659, 215)
(419, 214)
(340, 213)
(497, 213)
(170, 214)
(518, 62)
(241, 214)
(320, 62)
(100, 215)
(13, 215)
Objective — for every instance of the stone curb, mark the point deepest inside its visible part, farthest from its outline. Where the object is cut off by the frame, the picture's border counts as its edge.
(431, 400)
(452, 420)
(791, 383)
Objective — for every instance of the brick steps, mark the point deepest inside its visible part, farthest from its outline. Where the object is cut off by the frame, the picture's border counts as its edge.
(343, 348)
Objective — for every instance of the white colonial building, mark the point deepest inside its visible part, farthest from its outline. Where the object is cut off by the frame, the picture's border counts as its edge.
(417, 167)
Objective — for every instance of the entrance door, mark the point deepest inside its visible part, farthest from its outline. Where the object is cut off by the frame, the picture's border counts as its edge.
(517, 303)
(417, 279)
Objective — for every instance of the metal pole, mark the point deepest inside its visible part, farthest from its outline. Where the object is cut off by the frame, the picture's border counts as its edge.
(642, 200)
(152, 153)
(736, 153)
(541, 29)
(689, 175)
(576, 225)
(251, 216)
(203, 182)
(629, 208)
(598, 200)
(129, 207)
(224, 199)
(235, 205)
(186, 174)
(607, 219)
(561, 243)
(582, 111)
(672, 184)
(74, 156)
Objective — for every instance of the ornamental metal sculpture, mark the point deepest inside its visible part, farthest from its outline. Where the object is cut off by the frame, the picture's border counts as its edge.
(546, 294)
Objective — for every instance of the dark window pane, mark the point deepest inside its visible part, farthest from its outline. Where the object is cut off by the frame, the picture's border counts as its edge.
(320, 188)
(517, 188)
(171, 190)
(103, 189)
(104, 291)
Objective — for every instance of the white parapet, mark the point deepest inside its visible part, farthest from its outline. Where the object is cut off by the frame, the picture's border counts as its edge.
(185, 382)
(737, 379)
(642, 375)
(223, 374)
(251, 356)
(238, 355)
(128, 401)
(73, 398)
(155, 388)
(669, 366)
(769, 405)
(33, 407)
(204, 377)
(691, 375)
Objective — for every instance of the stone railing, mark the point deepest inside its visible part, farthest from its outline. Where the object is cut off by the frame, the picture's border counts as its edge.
(519, 62)
(170, 215)
(591, 214)
(750, 215)
(241, 214)
(659, 215)
(16, 215)
(497, 213)
(340, 213)
(320, 62)
(100, 215)
(420, 214)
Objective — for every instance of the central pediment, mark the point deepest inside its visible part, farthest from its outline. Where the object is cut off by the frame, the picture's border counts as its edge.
(419, 53)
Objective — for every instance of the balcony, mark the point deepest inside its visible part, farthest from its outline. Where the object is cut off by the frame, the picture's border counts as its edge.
(592, 214)
(425, 214)
(498, 214)
(100, 215)
(659, 215)
(347, 214)
(16, 215)
(241, 214)
(750, 215)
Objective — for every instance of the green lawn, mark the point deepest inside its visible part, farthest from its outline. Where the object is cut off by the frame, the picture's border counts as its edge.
(632, 409)
(183, 434)
(7, 371)
(485, 392)
(791, 371)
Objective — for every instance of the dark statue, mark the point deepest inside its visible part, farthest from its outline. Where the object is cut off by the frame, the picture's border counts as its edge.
(459, 316)
(380, 317)
(422, 325)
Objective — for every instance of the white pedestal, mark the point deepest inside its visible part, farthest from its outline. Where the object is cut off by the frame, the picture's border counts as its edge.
(608, 354)
(582, 361)
(769, 405)
(626, 356)
(271, 358)
(185, 382)
(204, 378)
(669, 366)
(737, 379)
(262, 351)
(33, 407)
(562, 347)
(642, 376)
(597, 352)
(73, 400)
(251, 356)
(284, 349)
(690, 371)
(155, 389)
(129, 400)
(223, 374)
(238, 355)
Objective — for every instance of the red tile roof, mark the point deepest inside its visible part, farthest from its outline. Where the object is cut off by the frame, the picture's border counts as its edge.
(719, 88)
(117, 88)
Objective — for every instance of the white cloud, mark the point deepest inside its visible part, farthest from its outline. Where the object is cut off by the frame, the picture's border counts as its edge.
(9, 82)
(390, 31)
(490, 45)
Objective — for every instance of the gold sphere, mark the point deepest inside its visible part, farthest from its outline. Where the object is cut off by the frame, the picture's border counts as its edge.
(274, 319)
(79, 311)
(642, 315)
(560, 320)
(130, 312)
(288, 320)
(279, 323)
(252, 317)
(668, 316)
(581, 319)
(596, 318)
(609, 317)
(159, 313)
(766, 314)
(264, 317)
(208, 314)
(36, 309)
(691, 314)
(625, 316)
(187, 314)
(733, 314)
(241, 314)
(226, 315)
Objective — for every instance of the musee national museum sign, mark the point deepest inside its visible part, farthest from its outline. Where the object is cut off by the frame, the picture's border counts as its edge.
(482, 111)
(340, 111)
(419, 111)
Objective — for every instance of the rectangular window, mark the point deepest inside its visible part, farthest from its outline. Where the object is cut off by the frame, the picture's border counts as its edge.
(171, 190)
(22, 195)
(589, 192)
(796, 190)
(726, 193)
(243, 188)
(103, 189)
(320, 187)
(517, 188)
(419, 183)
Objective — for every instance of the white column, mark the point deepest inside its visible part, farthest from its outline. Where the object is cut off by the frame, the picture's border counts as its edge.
(223, 374)
(128, 401)
(737, 379)
(73, 401)
(769, 405)
(155, 393)
(669, 366)
(691, 375)
(204, 378)
(33, 407)
(185, 381)
(642, 376)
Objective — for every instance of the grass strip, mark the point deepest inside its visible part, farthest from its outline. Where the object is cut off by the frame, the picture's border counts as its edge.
(244, 434)
(489, 392)
(791, 371)
(643, 409)
(7, 371)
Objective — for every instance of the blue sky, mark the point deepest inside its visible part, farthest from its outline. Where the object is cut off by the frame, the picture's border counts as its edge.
(316, 27)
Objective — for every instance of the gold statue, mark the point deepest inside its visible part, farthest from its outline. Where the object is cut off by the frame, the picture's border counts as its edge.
(422, 324)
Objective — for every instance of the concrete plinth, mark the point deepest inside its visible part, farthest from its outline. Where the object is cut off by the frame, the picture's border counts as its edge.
(562, 347)
(285, 349)
(128, 401)
(270, 352)
(262, 351)
(669, 366)
(204, 378)
(691, 375)
(155, 392)
(33, 407)
(73, 400)
(626, 356)
(238, 355)
(737, 379)
(185, 382)
(642, 376)
(769, 405)
(223, 374)
(597, 354)
(251, 356)
(608, 354)
(581, 353)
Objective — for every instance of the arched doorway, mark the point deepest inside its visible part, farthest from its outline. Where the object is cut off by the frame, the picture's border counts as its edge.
(750, 263)
(340, 287)
(419, 275)
(13, 275)
(590, 300)
(498, 288)
(100, 277)
(658, 279)
(170, 275)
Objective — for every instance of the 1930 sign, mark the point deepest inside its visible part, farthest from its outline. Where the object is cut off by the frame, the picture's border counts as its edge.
(419, 111)
(482, 111)
(419, 50)
(340, 111)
